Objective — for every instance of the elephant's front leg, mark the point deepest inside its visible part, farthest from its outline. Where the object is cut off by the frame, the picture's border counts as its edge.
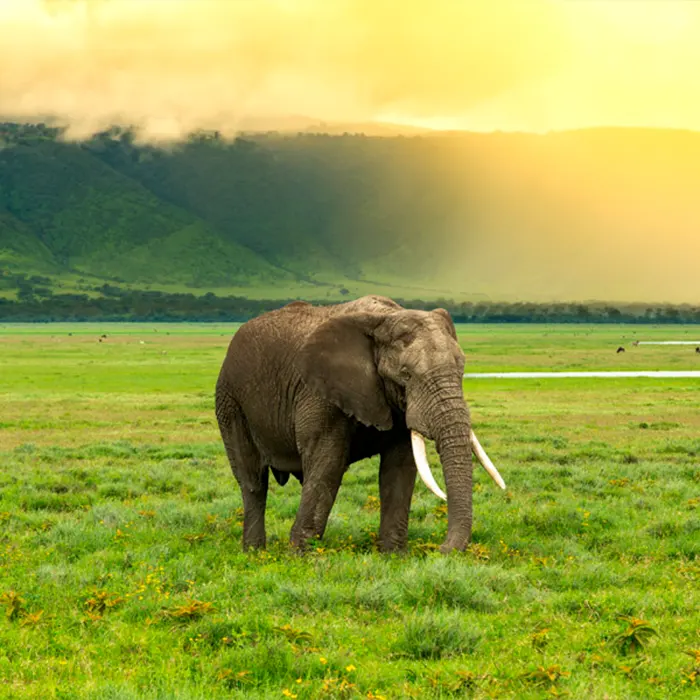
(397, 478)
(323, 464)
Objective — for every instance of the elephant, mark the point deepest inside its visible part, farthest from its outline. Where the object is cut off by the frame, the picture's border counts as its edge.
(308, 390)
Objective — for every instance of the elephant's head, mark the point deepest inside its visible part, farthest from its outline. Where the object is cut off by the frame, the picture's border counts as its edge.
(391, 364)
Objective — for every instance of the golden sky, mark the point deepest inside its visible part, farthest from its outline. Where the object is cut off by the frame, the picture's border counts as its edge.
(173, 65)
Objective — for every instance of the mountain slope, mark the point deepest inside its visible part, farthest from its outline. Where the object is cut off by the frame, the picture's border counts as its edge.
(21, 251)
(193, 255)
(598, 213)
(98, 221)
(238, 189)
(318, 205)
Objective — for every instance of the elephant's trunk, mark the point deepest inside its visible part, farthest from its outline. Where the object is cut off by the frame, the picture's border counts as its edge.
(453, 443)
(437, 409)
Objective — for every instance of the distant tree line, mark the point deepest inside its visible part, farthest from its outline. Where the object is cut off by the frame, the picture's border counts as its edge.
(37, 303)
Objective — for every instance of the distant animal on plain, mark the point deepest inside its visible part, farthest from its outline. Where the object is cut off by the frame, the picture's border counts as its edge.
(308, 390)
(620, 349)
(697, 350)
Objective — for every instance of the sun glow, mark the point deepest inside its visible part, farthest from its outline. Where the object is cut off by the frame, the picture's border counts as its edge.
(650, 21)
(506, 64)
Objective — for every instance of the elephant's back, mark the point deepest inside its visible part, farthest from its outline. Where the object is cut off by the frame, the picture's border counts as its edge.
(264, 349)
(261, 353)
(288, 326)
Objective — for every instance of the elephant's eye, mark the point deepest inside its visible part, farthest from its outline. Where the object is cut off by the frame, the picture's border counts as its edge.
(404, 373)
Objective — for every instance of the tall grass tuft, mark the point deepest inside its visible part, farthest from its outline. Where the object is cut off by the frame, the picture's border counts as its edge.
(435, 635)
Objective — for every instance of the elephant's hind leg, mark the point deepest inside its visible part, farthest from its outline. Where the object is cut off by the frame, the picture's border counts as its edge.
(250, 472)
(254, 501)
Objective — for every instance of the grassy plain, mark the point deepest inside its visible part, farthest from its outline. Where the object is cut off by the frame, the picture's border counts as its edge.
(122, 575)
(324, 286)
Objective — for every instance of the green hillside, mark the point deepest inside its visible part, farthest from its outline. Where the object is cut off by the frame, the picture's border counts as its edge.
(591, 214)
(21, 251)
(299, 205)
(63, 204)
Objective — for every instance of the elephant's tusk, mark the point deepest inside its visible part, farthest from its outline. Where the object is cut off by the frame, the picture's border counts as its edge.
(421, 459)
(485, 461)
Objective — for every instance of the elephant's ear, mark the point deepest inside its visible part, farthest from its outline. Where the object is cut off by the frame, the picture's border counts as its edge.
(337, 362)
(447, 320)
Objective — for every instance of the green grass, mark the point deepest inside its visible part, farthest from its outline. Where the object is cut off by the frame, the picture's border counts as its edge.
(122, 575)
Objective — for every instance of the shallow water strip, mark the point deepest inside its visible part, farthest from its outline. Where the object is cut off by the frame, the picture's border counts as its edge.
(668, 342)
(612, 374)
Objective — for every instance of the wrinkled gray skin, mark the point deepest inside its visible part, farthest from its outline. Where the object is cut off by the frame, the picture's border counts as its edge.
(309, 390)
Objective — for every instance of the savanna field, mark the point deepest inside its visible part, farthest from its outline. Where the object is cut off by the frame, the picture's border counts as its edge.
(122, 574)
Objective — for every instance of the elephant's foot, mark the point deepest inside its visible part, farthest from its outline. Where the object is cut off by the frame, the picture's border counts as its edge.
(254, 539)
(454, 544)
(393, 539)
(301, 537)
(391, 548)
(251, 543)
